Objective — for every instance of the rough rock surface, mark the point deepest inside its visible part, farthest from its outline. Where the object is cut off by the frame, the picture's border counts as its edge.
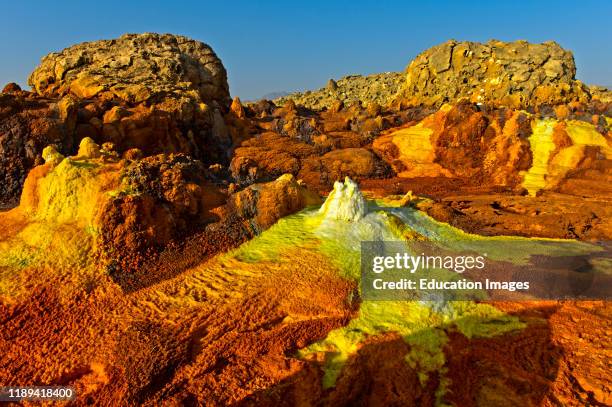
(515, 74)
(317, 147)
(27, 125)
(157, 93)
(135, 68)
(463, 142)
(601, 93)
(161, 199)
(259, 206)
(377, 88)
(160, 93)
(501, 147)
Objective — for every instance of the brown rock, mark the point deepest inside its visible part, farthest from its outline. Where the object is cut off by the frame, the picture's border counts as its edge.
(132, 154)
(265, 204)
(134, 68)
(268, 156)
(336, 106)
(115, 114)
(27, 125)
(163, 199)
(237, 108)
(515, 74)
(356, 163)
(11, 88)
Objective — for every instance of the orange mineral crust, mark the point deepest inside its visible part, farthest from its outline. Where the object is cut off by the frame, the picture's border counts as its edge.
(163, 244)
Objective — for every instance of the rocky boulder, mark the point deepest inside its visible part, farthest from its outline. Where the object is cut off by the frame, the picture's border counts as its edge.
(160, 93)
(514, 74)
(259, 206)
(161, 199)
(156, 93)
(135, 68)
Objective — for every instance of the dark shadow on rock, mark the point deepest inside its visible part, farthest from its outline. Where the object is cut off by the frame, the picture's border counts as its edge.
(513, 369)
(180, 256)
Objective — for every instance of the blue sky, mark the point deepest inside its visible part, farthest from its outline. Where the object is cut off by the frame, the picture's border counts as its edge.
(285, 46)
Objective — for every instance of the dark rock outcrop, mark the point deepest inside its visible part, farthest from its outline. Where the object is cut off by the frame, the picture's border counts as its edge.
(162, 199)
(27, 125)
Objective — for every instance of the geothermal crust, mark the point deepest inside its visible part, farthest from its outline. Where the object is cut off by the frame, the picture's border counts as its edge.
(165, 243)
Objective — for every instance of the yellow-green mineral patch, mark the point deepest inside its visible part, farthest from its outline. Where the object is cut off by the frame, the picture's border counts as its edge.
(547, 171)
(542, 145)
(583, 133)
(423, 325)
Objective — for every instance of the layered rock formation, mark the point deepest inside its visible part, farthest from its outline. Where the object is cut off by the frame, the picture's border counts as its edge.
(516, 74)
(495, 147)
(377, 88)
(463, 142)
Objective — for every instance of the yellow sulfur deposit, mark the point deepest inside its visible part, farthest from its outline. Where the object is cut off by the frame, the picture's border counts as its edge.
(54, 225)
(541, 146)
(583, 133)
(549, 167)
(88, 149)
(70, 192)
(51, 155)
(415, 150)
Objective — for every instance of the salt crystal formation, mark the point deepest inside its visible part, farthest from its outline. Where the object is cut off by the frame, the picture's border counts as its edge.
(345, 202)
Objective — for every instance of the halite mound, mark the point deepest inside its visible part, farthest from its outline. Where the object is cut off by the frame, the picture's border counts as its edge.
(514, 74)
(345, 202)
(135, 68)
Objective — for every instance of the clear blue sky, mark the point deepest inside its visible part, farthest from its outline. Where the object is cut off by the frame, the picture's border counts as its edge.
(289, 45)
